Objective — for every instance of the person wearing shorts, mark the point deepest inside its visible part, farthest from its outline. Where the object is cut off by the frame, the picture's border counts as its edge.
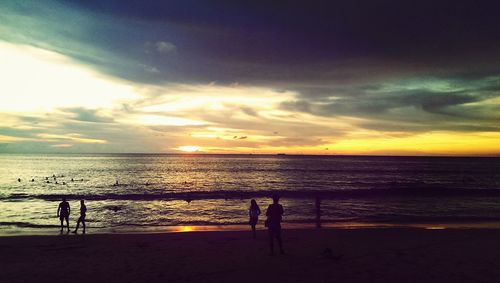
(63, 212)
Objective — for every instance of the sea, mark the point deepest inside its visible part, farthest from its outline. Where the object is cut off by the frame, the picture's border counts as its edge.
(185, 192)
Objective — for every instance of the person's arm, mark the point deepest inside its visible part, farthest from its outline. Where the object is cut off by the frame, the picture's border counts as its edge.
(58, 209)
(258, 211)
(69, 209)
(282, 210)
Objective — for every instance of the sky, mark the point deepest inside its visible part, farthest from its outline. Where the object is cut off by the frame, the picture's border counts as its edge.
(261, 77)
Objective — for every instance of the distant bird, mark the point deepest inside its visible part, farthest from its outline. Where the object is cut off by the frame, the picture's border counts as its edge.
(64, 183)
(57, 182)
(46, 178)
(48, 182)
(19, 179)
(32, 180)
(54, 175)
(72, 180)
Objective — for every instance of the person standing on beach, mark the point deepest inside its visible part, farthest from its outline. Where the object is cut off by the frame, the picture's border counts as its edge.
(81, 219)
(274, 215)
(63, 212)
(254, 213)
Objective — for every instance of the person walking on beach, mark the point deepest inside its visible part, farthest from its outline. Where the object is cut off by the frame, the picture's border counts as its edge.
(274, 215)
(81, 219)
(63, 212)
(254, 213)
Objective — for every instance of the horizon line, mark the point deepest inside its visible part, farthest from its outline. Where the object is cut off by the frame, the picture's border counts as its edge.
(493, 155)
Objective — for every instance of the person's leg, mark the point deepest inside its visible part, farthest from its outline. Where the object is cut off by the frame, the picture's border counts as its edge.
(271, 241)
(62, 222)
(278, 238)
(83, 224)
(67, 222)
(77, 225)
(253, 231)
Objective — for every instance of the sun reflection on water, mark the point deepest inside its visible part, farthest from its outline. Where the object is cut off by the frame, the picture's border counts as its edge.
(185, 229)
(435, 228)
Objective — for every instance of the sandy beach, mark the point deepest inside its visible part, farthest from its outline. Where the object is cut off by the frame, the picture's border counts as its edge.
(358, 255)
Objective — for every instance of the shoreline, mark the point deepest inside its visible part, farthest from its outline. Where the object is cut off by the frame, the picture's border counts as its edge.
(486, 225)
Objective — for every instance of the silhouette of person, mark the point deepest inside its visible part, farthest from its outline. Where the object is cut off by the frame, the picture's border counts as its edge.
(254, 213)
(274, 215)
(63, 212)
(81, 219)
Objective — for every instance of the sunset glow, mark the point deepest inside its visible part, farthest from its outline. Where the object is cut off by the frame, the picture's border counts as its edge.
(188, 148)
(159, 91)
(235, 141)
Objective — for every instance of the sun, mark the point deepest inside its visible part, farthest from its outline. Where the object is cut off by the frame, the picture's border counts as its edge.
(188, 148)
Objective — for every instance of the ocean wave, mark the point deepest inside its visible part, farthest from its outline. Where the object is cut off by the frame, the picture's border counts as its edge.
(28, 225)
(393, 191)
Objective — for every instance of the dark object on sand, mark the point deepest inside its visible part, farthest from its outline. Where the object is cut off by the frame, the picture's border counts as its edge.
(328, 254)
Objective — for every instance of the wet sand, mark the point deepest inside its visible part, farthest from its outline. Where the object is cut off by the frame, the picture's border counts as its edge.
(358, 255)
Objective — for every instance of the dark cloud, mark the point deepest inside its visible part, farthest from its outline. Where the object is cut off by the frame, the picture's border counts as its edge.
(272, 44)
(419, 105)
(87, 115)
(249, 111)
(240, 137)
(19, 133)
(411, 128)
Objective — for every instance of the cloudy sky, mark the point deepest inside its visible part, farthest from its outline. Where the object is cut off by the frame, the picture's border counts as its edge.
(304, 77)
